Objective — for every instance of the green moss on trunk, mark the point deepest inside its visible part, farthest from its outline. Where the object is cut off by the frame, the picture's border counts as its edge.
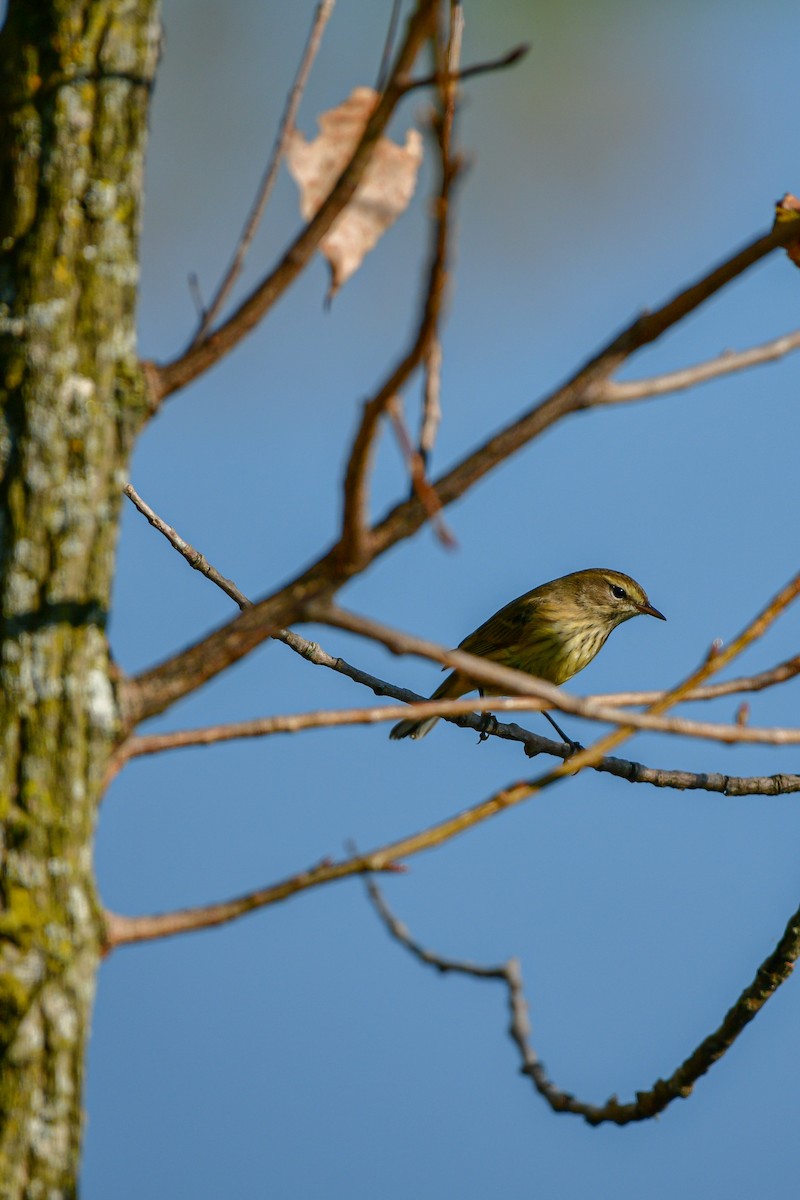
(75, 81)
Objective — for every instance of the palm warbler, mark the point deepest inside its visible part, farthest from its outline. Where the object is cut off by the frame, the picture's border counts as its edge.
(552, 632)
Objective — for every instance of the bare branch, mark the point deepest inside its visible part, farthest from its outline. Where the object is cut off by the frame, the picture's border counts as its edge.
(612, 392)
(355, 543)
(533, 743)
(197, 295)
(689, 781)
(194, 558)
(170, 376)
(746, 683)
(774, 971)
(453, 710)
(432, 362)
(321, 17)
(155, 743)
(388, 45)
(482, 68)
(122, 930)
(401, 934)
(156, 689)
(578, 392)
(631, 772)
(420, 484)
(431, 403)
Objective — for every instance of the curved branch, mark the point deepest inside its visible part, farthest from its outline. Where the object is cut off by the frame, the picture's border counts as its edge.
(774, 971)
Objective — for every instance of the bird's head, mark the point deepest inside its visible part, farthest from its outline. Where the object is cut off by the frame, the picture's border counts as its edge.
(610, 596)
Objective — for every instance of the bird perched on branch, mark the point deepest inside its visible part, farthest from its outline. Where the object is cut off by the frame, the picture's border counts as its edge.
(552, 632)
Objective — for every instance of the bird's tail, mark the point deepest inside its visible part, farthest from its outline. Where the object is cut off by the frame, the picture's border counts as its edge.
(451, 688)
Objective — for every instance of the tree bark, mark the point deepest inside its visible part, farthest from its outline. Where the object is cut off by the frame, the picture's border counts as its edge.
(75, 82)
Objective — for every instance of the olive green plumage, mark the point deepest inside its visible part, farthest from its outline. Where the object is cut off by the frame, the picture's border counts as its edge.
(552, 632)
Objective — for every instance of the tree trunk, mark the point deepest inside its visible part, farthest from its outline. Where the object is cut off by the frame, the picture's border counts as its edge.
(75, 81)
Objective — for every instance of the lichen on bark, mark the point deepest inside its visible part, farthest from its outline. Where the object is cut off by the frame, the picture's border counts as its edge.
(75, 83)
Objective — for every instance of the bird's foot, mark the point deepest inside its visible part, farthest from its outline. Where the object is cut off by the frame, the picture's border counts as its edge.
(488, 726)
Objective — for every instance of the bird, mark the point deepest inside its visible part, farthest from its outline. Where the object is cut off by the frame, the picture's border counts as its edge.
(551, 632)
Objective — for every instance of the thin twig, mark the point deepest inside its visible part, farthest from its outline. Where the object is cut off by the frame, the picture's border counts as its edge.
(416, 470)
(121, 930)
(355, 541)
(613, 392)
(315, 654)
(730, 687)
(194, 558)
(169, 377)
(774, 971)
(422, 709)
(209, 735)
(431, 402)
(197, 295)
(321, 17)
(401, 934)
(432, 361)
(388, 45)
(482, 68)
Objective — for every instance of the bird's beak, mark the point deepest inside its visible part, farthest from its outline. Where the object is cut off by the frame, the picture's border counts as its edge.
(650, 611)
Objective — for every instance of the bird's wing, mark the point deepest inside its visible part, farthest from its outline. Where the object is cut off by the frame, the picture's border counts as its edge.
(498, 637)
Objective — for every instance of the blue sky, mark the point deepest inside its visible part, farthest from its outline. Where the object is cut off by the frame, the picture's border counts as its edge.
(299, 1052)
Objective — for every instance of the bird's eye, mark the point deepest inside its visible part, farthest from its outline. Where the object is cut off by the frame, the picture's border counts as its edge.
(617, 592)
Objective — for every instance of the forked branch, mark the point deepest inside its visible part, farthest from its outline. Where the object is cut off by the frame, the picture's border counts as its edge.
(354, 549)
(198, 358)
(632, 772)
(158, 688)
(121, 930)
(583, 390)
(613, 392)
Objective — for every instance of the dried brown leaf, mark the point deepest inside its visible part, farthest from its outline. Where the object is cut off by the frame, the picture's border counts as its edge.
(383, 194)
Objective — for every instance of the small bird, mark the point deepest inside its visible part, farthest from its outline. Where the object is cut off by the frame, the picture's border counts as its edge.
(552, 632)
